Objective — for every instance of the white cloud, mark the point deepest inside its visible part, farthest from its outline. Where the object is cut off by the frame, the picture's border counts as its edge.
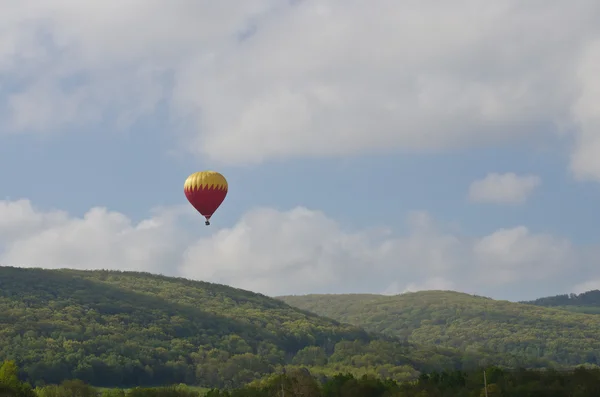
(326, 77)
(101, 239)
(585, 159)
(435, 283)
(506, 188)
(75, 63)
(587, 286)
(508, 254)
(291, 252)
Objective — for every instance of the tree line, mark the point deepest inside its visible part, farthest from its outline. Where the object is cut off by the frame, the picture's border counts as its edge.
(299, 382)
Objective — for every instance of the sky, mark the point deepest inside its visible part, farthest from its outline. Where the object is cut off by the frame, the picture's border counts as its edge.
(370, 147)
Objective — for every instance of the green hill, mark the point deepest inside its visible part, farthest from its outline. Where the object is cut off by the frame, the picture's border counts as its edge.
(587, 302)
(121, 329)
(468, 322)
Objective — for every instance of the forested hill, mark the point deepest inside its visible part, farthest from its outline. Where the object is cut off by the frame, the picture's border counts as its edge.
(587, 302)
(467, 322)
(125, 329)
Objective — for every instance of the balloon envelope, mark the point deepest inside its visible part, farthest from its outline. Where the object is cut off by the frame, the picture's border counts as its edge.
(205, 190)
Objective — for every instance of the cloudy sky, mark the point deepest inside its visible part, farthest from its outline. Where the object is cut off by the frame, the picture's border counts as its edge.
(378, 146)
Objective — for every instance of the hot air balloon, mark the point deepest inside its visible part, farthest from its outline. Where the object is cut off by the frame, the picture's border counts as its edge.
(205, 190)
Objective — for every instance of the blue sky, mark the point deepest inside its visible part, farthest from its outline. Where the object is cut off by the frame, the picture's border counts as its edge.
(132, 174)
(350, 153)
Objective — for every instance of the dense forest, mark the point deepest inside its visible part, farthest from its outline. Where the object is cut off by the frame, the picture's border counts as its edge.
(492, 382)
(466, 322)
(126, 329)
(587, 302)
(110, 328)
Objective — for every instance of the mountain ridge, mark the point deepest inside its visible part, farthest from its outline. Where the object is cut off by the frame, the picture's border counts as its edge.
(113, 328)
(463, 321)
(122, 329)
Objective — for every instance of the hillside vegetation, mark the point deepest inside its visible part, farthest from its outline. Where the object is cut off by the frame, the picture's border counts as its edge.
(467, 323)
(587, 302)
(111, 329)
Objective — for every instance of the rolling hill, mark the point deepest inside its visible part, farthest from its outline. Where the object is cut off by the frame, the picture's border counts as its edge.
(467, 323)
(120, 329)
